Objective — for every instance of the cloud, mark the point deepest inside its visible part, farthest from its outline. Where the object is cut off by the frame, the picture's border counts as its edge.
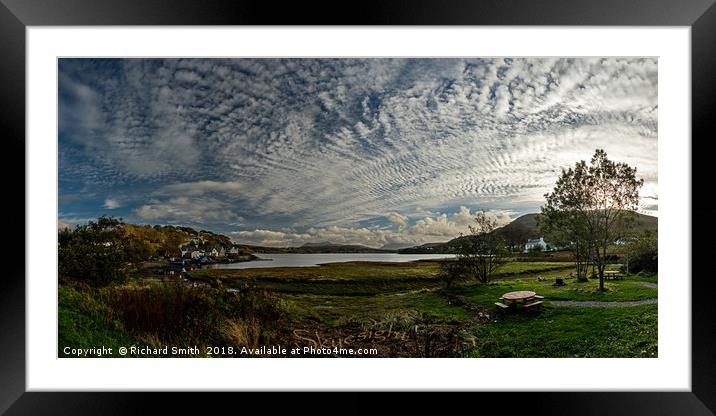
(195, 210)
(397, 219)
(437, 228)
(110, 203)
(304, 143)
(201, 187)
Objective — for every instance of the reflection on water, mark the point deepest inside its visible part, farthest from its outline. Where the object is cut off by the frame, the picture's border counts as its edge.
(309, 260)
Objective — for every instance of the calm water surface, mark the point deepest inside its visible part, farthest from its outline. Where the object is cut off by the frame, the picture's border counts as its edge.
(310, 260)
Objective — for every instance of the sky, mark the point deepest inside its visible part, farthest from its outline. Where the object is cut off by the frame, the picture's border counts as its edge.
(380, 152)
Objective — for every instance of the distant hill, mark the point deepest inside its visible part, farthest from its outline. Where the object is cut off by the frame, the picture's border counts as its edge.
(528, 222)
(395, 246)
(166, 240)
(517, 233)
(321, 244)
(429, 248)
(316, 248)
(647, 222)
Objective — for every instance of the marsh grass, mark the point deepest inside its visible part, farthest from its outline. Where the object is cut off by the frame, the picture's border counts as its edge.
(166, 314)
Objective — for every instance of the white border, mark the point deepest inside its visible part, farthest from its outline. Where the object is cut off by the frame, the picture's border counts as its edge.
(671, 371)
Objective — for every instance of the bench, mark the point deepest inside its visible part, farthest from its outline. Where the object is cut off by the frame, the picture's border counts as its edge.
(613, 275)
(533, 305)
(538, 297)
(501, 306)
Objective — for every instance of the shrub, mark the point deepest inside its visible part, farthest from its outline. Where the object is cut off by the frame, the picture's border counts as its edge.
(643, 253)
(176, 313)
(97, 253)
(452, 271)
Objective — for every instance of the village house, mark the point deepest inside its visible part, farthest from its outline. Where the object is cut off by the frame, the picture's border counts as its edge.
(187, 250)
(533, 243)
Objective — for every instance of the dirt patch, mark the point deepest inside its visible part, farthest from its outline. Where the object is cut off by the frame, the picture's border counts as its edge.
(422, 339)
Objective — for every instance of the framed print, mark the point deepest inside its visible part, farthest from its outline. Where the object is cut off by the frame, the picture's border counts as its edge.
(397, 205)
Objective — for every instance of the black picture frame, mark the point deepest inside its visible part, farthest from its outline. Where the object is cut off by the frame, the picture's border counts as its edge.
(699, 15)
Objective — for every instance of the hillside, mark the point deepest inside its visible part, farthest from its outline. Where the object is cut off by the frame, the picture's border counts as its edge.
(395, 246)
(165, 240)
(517, 232)
(321, 244)
(528, 223)
(316, 248)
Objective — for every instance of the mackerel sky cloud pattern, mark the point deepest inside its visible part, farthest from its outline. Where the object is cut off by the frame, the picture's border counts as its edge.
(370, 151)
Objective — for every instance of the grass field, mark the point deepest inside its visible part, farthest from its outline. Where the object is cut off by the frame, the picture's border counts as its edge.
(571, 332)
(375, 295)
(369, 304)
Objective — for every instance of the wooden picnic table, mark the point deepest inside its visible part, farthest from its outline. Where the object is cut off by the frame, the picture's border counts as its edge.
(519, 296)
(614, 274)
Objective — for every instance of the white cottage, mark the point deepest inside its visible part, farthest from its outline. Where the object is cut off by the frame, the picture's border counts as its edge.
(532, 243)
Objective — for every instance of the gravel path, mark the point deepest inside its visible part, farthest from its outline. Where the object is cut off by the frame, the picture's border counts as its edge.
(594, 304)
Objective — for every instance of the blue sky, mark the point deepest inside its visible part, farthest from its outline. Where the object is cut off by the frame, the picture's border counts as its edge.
(368, 151)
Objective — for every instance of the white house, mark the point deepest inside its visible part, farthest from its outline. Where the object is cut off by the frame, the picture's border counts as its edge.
(196, 254)
(535, 242)
(214, 253)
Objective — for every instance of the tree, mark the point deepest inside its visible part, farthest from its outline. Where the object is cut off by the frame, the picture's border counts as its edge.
(482, 251)
(597, 202)
(515, 236)
(565, 229)
(643, 253)
(97, 253)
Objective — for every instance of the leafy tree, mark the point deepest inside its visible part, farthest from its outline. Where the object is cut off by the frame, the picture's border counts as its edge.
(643, 253)
(483, 250)
(515, 236)
(98, 253)
(565, 229)
(598, 201)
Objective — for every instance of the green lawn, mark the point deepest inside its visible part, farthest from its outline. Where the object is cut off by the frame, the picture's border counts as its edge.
(571, 332)
(616, 290)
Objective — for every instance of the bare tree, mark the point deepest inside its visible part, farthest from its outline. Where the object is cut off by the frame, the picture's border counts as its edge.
(482, 251)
